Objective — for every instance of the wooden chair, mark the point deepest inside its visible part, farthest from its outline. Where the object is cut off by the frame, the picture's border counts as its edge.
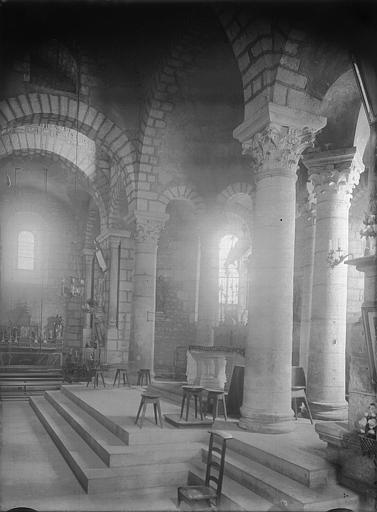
(298, 390)
(195, 494)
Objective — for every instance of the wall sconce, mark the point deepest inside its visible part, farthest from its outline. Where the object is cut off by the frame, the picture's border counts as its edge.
(336, 256)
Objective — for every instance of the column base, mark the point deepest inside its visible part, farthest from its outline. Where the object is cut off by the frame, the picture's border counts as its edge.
(267, 423)
(327, 411)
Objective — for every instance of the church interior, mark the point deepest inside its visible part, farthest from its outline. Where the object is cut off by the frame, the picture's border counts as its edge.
(188, 221)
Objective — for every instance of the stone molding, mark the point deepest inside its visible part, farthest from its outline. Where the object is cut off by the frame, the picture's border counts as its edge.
(334, 172)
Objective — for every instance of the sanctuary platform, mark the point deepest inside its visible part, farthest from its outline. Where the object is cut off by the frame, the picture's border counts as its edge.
(110, 456)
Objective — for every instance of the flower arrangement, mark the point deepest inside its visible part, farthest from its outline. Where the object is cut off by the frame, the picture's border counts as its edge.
(368, 423)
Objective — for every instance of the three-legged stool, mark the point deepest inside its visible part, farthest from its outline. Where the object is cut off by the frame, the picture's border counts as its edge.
(143, 373)
(149, 398)
(122, 371)
(216, 395)
(188, 392)
(94, 374)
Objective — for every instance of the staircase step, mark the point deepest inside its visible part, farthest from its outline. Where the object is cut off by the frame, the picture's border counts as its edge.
(90, 470)
(290, 461)
(281, 489)
(130, 434)
(233, 495)
(109, 447)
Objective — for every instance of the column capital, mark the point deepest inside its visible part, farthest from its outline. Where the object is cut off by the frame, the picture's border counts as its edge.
(334, 172)
(276, 139)
(147, 226)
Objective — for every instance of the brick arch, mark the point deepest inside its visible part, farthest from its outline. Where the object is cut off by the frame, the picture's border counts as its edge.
(234, 189)
(38, 108)
(160, 103)
(269, 57)
(83, 179)
(181, 192)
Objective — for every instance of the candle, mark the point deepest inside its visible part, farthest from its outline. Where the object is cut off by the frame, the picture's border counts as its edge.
(338, 244)
(330, 245)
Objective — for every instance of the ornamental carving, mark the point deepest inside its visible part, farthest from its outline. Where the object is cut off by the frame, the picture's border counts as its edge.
(336, 177)
(278, 147)
(148, 229)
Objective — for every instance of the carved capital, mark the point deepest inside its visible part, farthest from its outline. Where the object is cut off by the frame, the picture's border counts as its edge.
(334, 173)
(148, 228)
(276, 149)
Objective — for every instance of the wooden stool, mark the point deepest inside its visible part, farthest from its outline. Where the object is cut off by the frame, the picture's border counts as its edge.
(125, 377)
(188, 392)
(215, 395)
(149, 398)
(94, 373)
(143, 373)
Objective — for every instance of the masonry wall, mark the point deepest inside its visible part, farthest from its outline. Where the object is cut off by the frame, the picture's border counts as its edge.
(55, 233)
(176, 294)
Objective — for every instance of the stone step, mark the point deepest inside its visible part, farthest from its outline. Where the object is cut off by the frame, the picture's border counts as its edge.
(130, 434)
(282, 490)
(306, 468)
(109, 447)
(90, 470)
(234, 496)
(163, 498)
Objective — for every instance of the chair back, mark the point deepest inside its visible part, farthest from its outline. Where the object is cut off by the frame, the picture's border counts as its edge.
(298, 377)
(217, 444)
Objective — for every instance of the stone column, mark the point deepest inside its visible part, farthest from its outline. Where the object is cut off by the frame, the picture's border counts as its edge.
(112, 239)
(307, 283)
(88, 262)
(275, 150)
(208, 310)
(147, 232)
(333, 176)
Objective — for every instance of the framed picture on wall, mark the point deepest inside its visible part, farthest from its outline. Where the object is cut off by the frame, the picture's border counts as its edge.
(369, 314)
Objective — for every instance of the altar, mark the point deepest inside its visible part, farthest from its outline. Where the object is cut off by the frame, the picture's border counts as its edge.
(212, 367)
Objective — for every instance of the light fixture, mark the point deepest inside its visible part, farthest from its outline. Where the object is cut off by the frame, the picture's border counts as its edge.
(336, 256)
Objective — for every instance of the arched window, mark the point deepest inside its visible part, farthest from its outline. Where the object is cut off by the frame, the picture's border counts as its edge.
(25, 250)
(229, 279)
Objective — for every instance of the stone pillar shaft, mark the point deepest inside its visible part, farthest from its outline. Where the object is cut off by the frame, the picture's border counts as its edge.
(147, 232)
(267, 401)
(333, 177)
(307, 284)
(114, 277)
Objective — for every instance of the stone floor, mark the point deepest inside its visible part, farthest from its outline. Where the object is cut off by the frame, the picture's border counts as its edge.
(34, 474)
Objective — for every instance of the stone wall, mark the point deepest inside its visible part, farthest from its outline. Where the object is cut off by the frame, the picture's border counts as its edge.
(56, 232)
(176, 291)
